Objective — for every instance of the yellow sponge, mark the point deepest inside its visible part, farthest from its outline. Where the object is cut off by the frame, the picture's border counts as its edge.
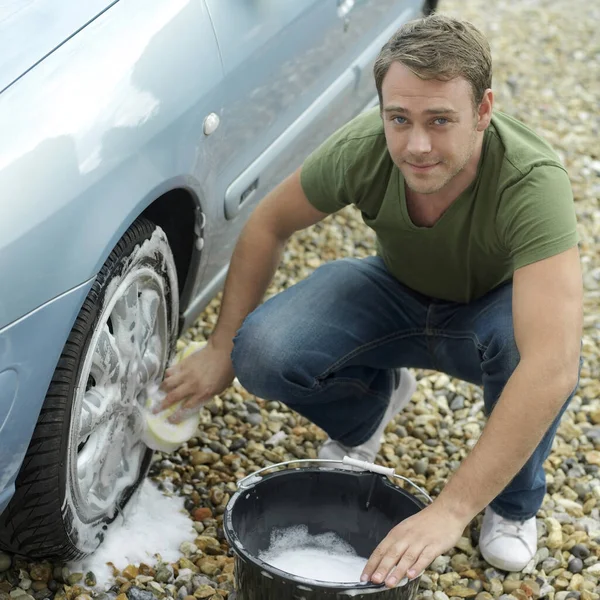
(158, 433)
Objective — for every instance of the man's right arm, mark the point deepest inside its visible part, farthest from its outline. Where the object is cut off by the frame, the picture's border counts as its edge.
(255, 259)
(258, 253)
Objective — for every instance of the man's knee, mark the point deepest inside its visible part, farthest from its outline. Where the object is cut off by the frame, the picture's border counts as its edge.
(263, 350)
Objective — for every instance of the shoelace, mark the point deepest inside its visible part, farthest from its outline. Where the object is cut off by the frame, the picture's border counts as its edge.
(512, 528)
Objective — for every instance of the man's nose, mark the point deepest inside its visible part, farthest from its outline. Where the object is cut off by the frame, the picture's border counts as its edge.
(418, 142)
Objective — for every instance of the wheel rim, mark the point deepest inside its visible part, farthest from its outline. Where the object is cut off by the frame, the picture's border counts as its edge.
(128, 352)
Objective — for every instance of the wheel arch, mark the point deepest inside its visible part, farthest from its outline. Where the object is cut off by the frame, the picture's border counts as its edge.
(178, 213)
(429, 7)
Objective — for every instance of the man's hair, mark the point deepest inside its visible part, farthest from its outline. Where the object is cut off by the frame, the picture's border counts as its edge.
(439, 47)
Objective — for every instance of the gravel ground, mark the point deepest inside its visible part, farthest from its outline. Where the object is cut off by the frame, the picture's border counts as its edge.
(546, 55)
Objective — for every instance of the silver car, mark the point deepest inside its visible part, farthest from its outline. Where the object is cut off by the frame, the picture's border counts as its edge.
(136, 136)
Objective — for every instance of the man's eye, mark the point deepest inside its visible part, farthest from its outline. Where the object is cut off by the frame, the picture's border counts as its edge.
(399, 120)
(441, 121)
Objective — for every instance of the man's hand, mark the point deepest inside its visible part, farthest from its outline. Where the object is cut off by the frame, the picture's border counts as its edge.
(197, 379)
(413, 545)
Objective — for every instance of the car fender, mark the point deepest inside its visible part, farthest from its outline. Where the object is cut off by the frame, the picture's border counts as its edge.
(29, 350)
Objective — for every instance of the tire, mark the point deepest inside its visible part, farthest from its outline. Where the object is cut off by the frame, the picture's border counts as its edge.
(86, 458)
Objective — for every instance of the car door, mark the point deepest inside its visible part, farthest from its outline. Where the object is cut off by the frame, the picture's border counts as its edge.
(294, 72)
(279, 57)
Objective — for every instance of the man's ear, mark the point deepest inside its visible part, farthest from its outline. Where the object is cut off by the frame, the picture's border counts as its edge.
(484, 111)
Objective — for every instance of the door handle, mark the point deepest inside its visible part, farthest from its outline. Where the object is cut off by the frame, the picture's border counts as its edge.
(344, 7)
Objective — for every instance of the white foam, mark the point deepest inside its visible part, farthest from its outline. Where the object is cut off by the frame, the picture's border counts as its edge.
(324, 557)
(154, 524)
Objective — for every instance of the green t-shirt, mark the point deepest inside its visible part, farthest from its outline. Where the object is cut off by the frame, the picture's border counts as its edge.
(518, 210)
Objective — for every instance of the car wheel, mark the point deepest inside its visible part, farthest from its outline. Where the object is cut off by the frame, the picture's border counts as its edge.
(86, 457)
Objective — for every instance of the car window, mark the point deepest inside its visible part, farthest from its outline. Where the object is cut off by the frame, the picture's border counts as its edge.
(44, 24)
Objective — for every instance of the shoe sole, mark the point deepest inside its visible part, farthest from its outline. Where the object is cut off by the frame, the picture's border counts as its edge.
(498, 563)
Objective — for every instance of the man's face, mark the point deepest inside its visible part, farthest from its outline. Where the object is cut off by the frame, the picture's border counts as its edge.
(430, 127)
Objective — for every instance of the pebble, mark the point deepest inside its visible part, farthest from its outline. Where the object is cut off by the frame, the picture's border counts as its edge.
(136, 593)
(459, 562)
(510, 585)
(204, 591)
(457, 404)
(448, 579)
(593, 435)
(204, 458)
(580, 551)
(461, 591)
(238, 444)
(550, 564)
(202, 513)
(464, 544)
(164, 573)
(542, 554)
(546, 590)
(575, 565)
(440, 564)
(252, 407)
(254, 419)
(555, 537)
(425, 582)
(421, 465)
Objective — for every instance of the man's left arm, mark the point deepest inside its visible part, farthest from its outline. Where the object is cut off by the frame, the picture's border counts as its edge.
(547, 318)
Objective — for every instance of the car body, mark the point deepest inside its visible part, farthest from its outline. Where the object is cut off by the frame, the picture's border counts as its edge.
(185, 112)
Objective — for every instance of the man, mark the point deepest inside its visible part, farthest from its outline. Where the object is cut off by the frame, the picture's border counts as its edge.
(477, 274)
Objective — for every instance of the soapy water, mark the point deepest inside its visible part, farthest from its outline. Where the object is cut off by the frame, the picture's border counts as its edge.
(153, 525)
(325, 557)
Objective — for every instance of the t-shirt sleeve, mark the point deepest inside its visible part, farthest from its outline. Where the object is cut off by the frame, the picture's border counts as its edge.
(537, 216)
(323, 175)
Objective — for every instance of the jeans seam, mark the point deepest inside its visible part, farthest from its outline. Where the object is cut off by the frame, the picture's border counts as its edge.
(353, 383)
(458, 336)
(365, 347)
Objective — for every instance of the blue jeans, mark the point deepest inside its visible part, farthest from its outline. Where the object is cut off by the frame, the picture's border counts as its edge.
(327, 347)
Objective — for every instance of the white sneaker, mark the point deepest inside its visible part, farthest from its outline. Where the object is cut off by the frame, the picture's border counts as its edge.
(505, 544)
(368, 450)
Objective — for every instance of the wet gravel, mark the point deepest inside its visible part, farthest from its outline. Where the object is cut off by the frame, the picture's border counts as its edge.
(546, 55)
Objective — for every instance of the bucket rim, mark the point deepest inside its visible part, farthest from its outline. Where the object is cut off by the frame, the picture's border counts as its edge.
(236, 544)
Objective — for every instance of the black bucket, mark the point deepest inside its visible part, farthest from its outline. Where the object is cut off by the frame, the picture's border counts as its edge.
(361, 507)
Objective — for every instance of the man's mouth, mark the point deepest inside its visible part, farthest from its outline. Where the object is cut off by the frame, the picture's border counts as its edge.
(422, 167)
